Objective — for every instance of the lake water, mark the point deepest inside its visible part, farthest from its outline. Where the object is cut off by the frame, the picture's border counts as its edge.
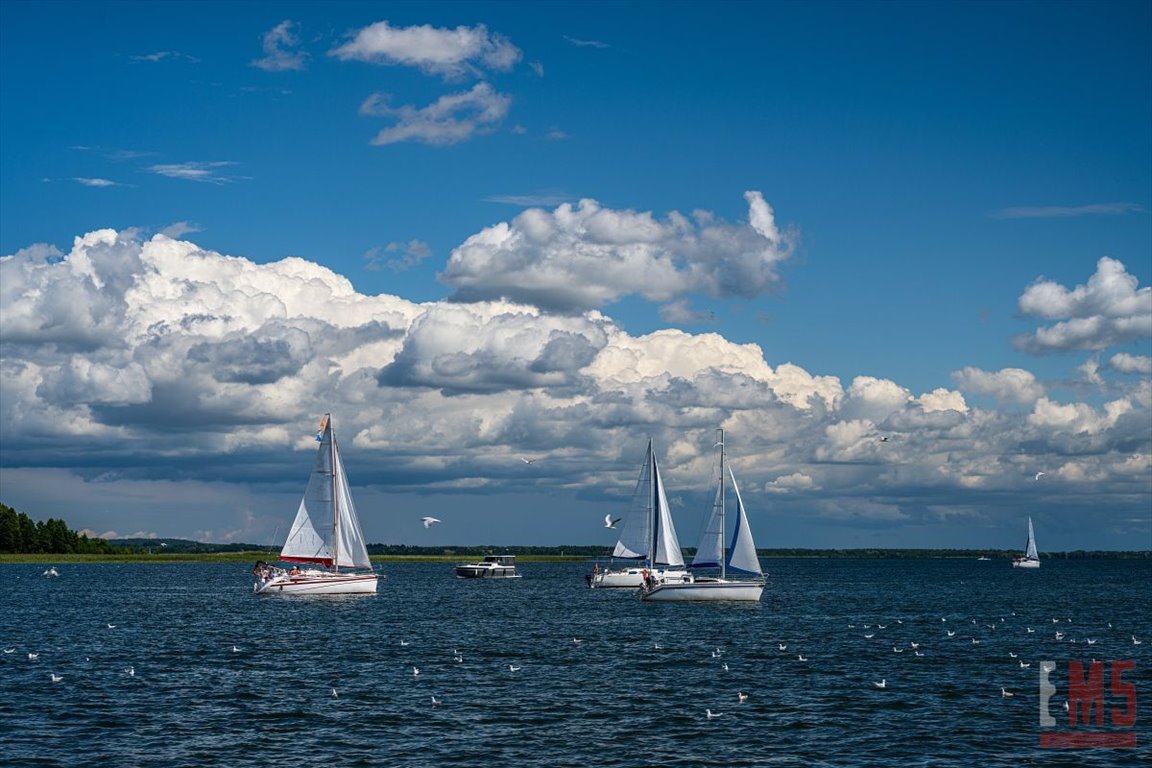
(612, 699)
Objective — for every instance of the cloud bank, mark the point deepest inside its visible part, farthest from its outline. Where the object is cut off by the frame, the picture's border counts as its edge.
(154, 362)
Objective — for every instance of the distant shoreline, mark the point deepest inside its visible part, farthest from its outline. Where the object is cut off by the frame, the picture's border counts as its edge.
(560, 555)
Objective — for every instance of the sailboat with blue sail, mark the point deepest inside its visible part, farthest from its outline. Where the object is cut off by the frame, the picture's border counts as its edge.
(739, 558)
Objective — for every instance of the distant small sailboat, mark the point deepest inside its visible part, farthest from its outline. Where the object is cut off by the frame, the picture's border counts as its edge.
(339, 544)
(1031, 558)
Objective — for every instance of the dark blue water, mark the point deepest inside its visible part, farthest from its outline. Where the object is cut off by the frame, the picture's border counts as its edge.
(612, 699)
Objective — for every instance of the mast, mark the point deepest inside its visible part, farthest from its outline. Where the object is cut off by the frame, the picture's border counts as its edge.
(654, 504)
(723, 557)
(332, 457)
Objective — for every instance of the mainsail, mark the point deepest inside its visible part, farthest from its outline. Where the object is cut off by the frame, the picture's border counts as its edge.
(326, 529)
(1030, 549)
(741, 555)
(648, 532)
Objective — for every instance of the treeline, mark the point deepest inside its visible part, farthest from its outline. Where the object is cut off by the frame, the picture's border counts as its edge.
(21, 535)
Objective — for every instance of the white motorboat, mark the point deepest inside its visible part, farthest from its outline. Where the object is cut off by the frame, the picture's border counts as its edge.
(1031, 558)
(491, 567)
(740, 557)
(648, 535)
(328, 548)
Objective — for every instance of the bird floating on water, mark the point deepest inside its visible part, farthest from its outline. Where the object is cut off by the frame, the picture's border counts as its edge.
(741, 696)
(429, 521)
(435, 701)
(801, 658)
(33, 656)
(235, 649)
(712, 715)
(1005, 693)
(415, 671)
(334, 694)
(882, 684)
(514, 668)
(55, 677)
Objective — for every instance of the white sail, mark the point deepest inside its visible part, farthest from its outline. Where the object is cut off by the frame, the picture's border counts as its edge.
(666, 546)
(1030, 549)
(710, 550)
(648, 532)
(742, 554)
(326, 529)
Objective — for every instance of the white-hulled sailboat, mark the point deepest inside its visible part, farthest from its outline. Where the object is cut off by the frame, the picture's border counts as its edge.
(648, 536)
(740, 557)
(326, 532)
(1031, 558)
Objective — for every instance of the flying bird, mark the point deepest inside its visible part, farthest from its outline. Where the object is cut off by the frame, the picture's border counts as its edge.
(1038, 475)
(609, 522)
(429, 521)
(527, 461)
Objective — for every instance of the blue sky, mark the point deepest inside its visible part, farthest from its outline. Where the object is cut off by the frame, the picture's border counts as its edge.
(481, 231)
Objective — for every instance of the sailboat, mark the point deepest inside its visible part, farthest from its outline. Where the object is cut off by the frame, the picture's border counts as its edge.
(1031, 558)
(325, 535)
(740, 556)
(648, 536)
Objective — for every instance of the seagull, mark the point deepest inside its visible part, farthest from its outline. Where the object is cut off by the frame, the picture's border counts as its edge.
(577, 640)
(131, 671)
(918, 653)
(801, 658)
(111, 626)
(1005, 693)
(415, 671)
(884, 439)
(869, 637)
(1091, 641)
(513, 668)
(429, 521)
(1135, 641)
(914, 645)
(235, 649)
(657, 646)
(527, 461)
(975, 641)
(725, 666)
(783, 647)
(1030, 630)
(1025, 666)
(334, 694)
(712, 714)
(33, 656)
(403, 643)
(1038, 475)
(435, 701)
(951, 633)
(9, 650)
(1012, 655)
(897, 650)
(609, 522)
(882, 684)
(56, 678)
(741, 696)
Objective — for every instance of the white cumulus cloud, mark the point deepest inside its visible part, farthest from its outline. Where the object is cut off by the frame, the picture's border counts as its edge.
(435, 50)
(585, 257)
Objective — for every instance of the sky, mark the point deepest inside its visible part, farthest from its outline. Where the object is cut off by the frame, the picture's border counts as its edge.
(900, 252)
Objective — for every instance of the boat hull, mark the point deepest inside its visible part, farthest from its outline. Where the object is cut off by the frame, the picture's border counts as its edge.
(319, 584)
(704, 591)
(1025, 563)
(484, 572)
(629, 578)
